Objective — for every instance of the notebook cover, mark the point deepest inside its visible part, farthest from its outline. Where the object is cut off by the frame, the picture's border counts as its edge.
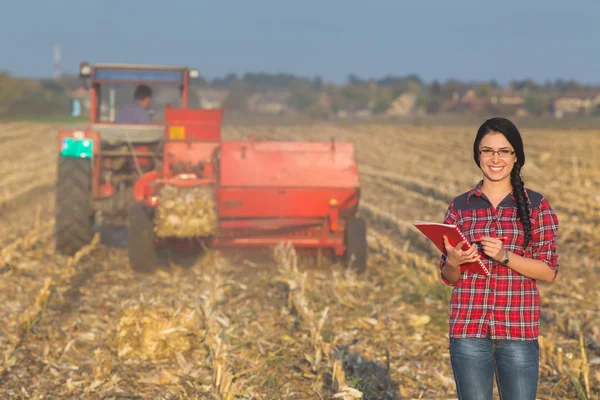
(436, 232)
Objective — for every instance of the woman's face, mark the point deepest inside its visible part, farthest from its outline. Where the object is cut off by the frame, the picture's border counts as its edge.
(496, 157)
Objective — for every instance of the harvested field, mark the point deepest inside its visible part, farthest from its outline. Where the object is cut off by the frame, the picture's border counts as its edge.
(231, 327)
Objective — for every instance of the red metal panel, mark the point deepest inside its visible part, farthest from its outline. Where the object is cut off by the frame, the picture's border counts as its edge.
(265, 203)
(126, 82)
(335, 243)
(272, 241)
(185, 89)
(93, 104)
(187, 152)
(288, 165)
(198, 124)
(265, 224)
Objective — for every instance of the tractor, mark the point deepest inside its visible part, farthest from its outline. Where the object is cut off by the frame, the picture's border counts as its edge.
(179, 183)
(99, 163)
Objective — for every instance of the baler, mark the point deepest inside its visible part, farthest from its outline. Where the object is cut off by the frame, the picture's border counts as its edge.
(261, 193)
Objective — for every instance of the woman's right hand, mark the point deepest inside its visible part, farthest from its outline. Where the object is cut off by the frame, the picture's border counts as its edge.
(455, 256)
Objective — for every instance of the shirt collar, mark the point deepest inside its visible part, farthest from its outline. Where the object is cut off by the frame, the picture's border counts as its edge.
(476, 191)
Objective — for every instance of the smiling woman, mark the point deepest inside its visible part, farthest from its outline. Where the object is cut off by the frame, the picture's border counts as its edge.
(494, 321)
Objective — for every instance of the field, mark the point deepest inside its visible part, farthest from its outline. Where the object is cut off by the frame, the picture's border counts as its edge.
(277, 327)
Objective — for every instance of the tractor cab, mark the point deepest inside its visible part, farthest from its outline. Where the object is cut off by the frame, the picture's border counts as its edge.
(111, 86)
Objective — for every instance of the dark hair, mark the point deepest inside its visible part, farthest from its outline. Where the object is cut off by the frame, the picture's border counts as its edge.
(142, 91)
(510, 131)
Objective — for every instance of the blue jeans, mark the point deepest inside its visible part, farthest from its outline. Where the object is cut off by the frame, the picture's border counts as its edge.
(514, 362)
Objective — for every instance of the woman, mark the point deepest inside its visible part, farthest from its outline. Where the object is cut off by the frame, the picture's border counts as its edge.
(494, 321)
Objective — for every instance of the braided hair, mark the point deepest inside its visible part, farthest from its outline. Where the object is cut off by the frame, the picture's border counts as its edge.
(510, 131)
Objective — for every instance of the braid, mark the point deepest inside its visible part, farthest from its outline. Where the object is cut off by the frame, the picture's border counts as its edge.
(521, 200)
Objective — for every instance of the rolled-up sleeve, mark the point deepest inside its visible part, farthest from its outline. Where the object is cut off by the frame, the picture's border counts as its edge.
(450, 218)
(543, 237)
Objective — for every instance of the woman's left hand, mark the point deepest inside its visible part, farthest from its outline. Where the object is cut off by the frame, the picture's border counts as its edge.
(494, 248)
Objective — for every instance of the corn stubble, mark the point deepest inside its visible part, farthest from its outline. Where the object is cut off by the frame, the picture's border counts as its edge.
(231, 328)
(154, 333)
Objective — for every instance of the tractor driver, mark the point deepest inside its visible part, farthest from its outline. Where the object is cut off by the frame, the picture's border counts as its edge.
(136, 112)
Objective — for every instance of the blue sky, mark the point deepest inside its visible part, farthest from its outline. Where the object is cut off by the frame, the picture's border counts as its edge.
(437, 39)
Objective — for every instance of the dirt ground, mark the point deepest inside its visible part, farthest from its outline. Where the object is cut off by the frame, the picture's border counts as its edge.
(273, 325)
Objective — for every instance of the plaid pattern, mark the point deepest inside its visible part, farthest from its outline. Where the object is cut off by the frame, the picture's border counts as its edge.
(507, 304)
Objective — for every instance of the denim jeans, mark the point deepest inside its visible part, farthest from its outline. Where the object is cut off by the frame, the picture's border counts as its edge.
(514, 362)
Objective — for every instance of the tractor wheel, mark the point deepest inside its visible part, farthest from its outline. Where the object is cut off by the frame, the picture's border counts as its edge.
(73, 212)
(356, 244)
(143, 256)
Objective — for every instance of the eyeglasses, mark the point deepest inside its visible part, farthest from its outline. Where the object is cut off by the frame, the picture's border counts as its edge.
(503, 153)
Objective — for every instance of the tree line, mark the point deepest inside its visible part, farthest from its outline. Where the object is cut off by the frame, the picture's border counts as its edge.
(313, 96)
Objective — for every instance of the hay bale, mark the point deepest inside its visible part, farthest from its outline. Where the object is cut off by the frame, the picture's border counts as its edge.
(154, 333)
(186, 212)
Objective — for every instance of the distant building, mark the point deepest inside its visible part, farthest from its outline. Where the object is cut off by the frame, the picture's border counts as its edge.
(575, 104)
(510, 100)
(211, 98)
(403, 105)
(269, 102)
(507, 103)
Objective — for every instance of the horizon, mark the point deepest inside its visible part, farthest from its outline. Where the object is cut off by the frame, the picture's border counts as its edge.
(240, 76)
(542, 42)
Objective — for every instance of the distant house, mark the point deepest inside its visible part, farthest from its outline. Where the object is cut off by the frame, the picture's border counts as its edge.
(508, 103)
(469, 96)
(575, 104)
(477, 104)
(403, 105)
(269, 102)
(509, 100)
(451, 104)
(211, 98)
(569, 106)
(470, 102)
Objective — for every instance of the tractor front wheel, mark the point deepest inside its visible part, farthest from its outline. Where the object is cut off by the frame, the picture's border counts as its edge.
(143, 256)
(73, 212)
(356, 244)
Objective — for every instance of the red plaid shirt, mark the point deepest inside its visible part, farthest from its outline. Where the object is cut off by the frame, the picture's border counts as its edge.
(507, 304)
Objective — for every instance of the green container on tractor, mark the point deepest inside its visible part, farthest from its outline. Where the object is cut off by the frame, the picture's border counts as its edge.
(78, 148)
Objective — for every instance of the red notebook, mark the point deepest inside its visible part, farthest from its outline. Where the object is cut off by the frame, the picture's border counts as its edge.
(435, 232)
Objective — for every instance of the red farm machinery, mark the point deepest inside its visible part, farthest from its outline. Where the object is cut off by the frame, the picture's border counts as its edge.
(253, 193)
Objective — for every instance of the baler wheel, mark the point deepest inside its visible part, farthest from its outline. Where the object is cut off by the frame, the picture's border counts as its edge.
(142, 252)
(356, 244)
(73, 212)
